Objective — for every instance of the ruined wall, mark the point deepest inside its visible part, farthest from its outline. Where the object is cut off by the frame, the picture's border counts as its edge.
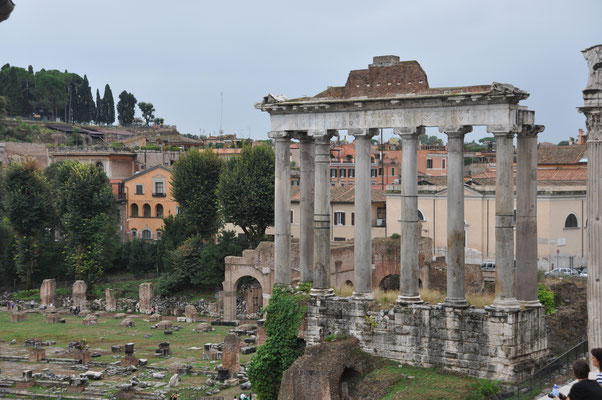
(437, 277)
(484, 343)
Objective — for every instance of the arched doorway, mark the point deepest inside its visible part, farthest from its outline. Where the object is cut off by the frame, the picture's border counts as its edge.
(389, 282)
(350, 379)
(249, 298)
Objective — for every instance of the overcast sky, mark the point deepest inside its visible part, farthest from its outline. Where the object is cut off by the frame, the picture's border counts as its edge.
(179, 55)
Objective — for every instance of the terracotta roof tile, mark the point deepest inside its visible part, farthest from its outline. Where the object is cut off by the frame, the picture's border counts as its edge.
(553, 155)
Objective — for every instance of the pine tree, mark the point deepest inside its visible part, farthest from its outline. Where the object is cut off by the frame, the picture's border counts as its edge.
(99, 108)
(109, 106)
(126, 108)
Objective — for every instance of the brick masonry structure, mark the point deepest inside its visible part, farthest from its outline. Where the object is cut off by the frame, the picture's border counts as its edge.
(79, 295)
(145, 297)
(47, 292)
(231, 353)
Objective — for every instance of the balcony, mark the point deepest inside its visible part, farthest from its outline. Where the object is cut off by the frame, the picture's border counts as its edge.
(159, 195)
(379, 223)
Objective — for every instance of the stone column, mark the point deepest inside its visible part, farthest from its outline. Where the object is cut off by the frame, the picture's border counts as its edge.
(145, 297)
(456, 282)
(526, 216)
(408, 287)
(362, 252)
(78, 291)
(306, 237)
(47, 292)
(592, 96)
(321, 270)
(505, 272)
(282, 207)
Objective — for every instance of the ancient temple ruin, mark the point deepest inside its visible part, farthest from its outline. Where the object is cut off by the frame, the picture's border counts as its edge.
(505, 341)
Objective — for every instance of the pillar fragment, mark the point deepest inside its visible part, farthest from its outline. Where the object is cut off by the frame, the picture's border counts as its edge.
(282, 205)
(362, 273)
(592, 109)
(505, 271)
(306, 237)
(456, 282)
(408, 285)
(321, 270)
(526, 216)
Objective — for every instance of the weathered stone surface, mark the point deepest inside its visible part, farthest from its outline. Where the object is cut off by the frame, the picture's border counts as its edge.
(164, 325)
(155, 318)
(483, 343)
(79, 294)
(230, 353)
(90, 319)
(261, 332)
(84, 356)
(47, 292)
(37, 354)
(127, 322)
(191, 313)
(119, 315)
(18, 316)
(204, 327)
(110, 300)
(53, 318)
(145, 297)
(129, 361)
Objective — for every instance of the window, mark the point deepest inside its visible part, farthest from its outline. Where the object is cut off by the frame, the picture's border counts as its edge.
(351, 172)
(421, 216)
(177, 210)
(134, 210)
(146, 210)
(140, 189)
(373, 172)
(342, 172)
(339, 218)
(429, 163)
(134, 233)
(333, 172)
(392, 171)
(380, 172)
(147, 234)
(100, 165)
(159, 211)
(352, 218)
(571, 221)
(159, 233)
(292, 216)
(443, 163)
(159, 188)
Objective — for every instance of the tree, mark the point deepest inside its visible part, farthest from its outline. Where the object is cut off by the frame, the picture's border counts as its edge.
(2, 111)
(563, 143)
(109, 106)
(28, 208)
(99, 109)
(159, 121)
(147, 111)
(246, 191)
(89, 220)
(49, 93)
(126, 108)
(86, 110)
(194, 187)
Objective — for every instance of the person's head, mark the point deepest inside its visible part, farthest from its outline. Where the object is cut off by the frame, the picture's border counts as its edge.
(581, 369)
(596, 357)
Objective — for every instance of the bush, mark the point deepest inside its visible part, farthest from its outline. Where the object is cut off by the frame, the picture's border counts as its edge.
(395, 236)
(546, 298)
(284, 315)
(483, 389)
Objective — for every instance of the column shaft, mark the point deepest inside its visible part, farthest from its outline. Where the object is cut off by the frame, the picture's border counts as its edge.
(321, 270)
(526, 218)
(282, 206)
(306, 237)
(594, 239)
(505, 289)
(456, 283)
(409, 217)
(362, 274)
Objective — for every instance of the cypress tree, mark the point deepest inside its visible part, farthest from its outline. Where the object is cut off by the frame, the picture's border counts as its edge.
(87, 110)
(99, 109)
(109, 105)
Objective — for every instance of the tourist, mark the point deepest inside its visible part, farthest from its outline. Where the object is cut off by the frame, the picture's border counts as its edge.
(31, 304)
(8, 306)
(585, 389)
(596, 358)
(174, 396)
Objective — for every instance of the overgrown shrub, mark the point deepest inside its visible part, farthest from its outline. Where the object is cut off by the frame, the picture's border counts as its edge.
(483, 389)
(546, 298)
(284, 315)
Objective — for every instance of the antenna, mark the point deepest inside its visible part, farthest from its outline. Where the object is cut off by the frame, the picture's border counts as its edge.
(221, 113)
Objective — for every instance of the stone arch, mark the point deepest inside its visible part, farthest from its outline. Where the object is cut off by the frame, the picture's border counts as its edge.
(571, 221)
(389, 282)
(134, 210)
(348, 283)
(348, 382)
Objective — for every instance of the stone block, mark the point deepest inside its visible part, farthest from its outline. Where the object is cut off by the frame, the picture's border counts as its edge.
(53, 318)
(129, 361)
(90, 319)
(128, 323)
(204, 327)
(37, 354)
(79, 295)
(230, 353)
(119, 315)
(18, 316)
(164, 325)
(47, 292)
(155, 317)
(145, 296)
(83, 356)
(191, 313)
(110, 300)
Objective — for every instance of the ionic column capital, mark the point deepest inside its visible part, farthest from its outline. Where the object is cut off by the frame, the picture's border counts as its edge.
(280, 134)
(322, 136)
(409, 132)
(531, 130)
(455, 131)
(369, 132)
(503, 130)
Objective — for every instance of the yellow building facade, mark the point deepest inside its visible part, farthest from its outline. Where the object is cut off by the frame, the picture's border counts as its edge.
(149, 200)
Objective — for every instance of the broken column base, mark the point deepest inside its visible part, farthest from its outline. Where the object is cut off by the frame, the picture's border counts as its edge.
(129, 361)
(37, 354)
(18, 316)
(490, 344)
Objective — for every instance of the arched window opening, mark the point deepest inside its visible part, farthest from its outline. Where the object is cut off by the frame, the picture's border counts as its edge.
(147, 211)
(134, 210)
(147, 234)
(159, 211)
(100, 165)
(350, 379)
(421, 216)
(571, 221)
(389, 282)
(134, 233)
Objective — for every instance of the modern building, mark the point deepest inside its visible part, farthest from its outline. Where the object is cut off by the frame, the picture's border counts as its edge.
(148, 201)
